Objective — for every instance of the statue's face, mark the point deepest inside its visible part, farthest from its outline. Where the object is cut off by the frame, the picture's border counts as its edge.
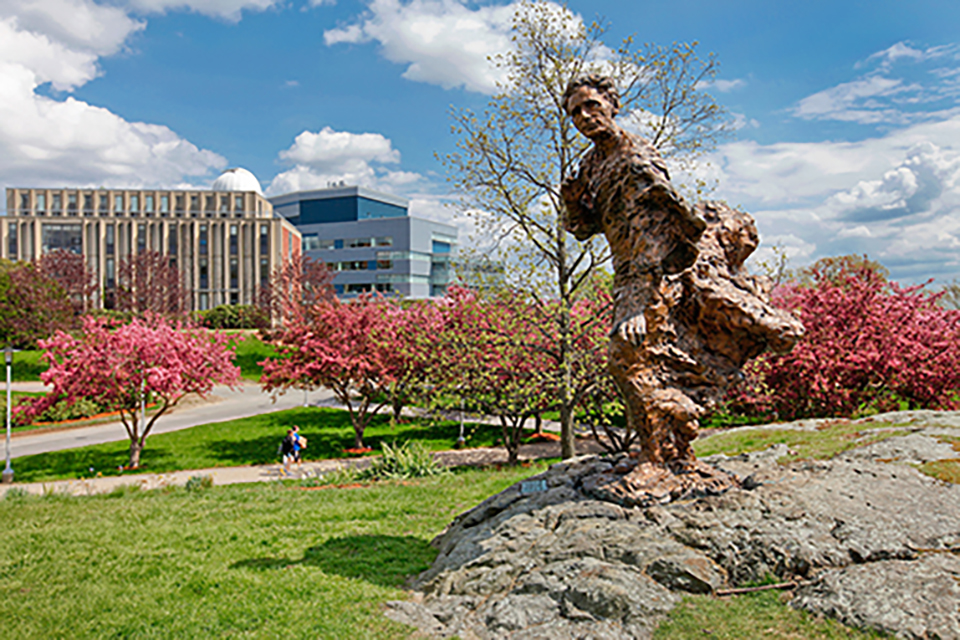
(592, 113)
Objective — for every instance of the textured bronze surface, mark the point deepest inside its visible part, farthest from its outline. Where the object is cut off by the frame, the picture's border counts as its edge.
(687, 315)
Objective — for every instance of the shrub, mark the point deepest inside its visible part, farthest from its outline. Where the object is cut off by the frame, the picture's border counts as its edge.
(63, 410)
(237, 316)
(409, 460)
(199, 483)
(870, 346)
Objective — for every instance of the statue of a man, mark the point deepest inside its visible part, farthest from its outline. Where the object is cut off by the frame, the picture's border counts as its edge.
(623, 190)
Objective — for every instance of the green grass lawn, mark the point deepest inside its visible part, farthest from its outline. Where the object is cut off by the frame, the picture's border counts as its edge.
(250, 561)
(246, 441)
(271, 561)
(249, 352)
(26, 366)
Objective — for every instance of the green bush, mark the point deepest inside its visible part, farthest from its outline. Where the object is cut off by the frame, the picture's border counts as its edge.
(199, 483)
(62, 411)
(409, 460)
(236, 316)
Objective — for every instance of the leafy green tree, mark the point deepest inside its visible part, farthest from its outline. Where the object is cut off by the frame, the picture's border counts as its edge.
(512, 157)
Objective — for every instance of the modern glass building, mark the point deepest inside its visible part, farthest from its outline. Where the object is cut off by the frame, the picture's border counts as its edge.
(226, 241)
(370, 241)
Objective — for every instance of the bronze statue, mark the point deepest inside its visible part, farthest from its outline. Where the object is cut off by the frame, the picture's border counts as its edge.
(686, 315)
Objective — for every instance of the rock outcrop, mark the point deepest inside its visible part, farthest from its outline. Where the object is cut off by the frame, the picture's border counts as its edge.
(875, 545)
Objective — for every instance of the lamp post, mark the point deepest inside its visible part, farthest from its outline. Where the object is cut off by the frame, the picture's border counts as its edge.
(8, 471)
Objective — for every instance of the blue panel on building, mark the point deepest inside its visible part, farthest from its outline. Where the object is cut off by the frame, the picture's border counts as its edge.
(441, 247)
(328, 210)
(368, 208)
(371, 265)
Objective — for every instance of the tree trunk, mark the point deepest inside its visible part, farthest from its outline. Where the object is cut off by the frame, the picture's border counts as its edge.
(135, 449)
(568, 445)
(397, 405)
(357, 437)
(538, 425)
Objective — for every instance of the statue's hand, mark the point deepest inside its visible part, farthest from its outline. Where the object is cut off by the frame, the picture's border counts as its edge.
(632, 330)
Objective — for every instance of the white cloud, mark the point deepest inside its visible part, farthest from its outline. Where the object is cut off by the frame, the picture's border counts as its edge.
(45, 140)
(442, 42)
(901, 85)
(724, 86)
(894, 197)
(329, 156)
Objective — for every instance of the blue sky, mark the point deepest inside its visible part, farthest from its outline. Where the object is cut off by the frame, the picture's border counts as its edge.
(850, 123)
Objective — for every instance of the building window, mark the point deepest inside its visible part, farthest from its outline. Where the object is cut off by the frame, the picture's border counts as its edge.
(62, 236)
(338, 244)
(211, 203)
(234, 297)
(441, 247)
(141, 238)
(87, 203)
(57, 203)
(204, 302)
(264, 272)
(134, 203)
(12, 241)
(259, 208)
(178, 203)
(111, 279)
(72, 204)
(194, 204)
(224, 204)
(24, 203)
(203, 239)
(104, 204)
(384, 241)
(110, 240)
(356, 243)
(164, 204)
(356, 265)
(234, 273)
(204, 274)
(41, 202)
(364, 287)
(384, 264)
(172, 240)
(311, 242)
(384, 287)
(118, 203)
(264, 239)
(234, 240)
(238, 204)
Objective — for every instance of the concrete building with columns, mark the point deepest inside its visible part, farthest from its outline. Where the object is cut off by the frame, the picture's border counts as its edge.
(225, 241)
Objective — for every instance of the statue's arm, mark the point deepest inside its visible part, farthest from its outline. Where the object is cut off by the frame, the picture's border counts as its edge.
(579, 218)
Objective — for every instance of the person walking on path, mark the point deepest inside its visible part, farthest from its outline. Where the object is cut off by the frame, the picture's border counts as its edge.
(299, 444)
(287, 450)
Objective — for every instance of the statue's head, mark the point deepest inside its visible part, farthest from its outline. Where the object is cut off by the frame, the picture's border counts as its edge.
(592, 102)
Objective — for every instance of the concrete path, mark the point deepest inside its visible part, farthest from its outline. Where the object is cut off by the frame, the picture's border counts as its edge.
(481, 456)
(222, 404)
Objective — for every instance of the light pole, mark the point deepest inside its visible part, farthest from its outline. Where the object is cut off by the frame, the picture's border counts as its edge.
(8, 471)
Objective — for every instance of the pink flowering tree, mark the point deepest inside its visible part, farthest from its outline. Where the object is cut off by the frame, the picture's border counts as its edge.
(407, 338)
(340, 346)
(869, 345)
(490, 351)
(125, 366)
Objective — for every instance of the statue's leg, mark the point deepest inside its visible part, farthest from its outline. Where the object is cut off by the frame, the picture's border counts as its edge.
(676, 416)
(631, 376)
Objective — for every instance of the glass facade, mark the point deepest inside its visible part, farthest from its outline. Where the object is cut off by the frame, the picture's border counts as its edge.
(62, 236)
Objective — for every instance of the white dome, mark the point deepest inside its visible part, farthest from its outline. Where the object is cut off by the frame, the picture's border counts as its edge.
(237, 179)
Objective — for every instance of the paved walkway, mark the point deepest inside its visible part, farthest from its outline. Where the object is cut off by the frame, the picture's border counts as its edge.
(481, 456)
(222, 404)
